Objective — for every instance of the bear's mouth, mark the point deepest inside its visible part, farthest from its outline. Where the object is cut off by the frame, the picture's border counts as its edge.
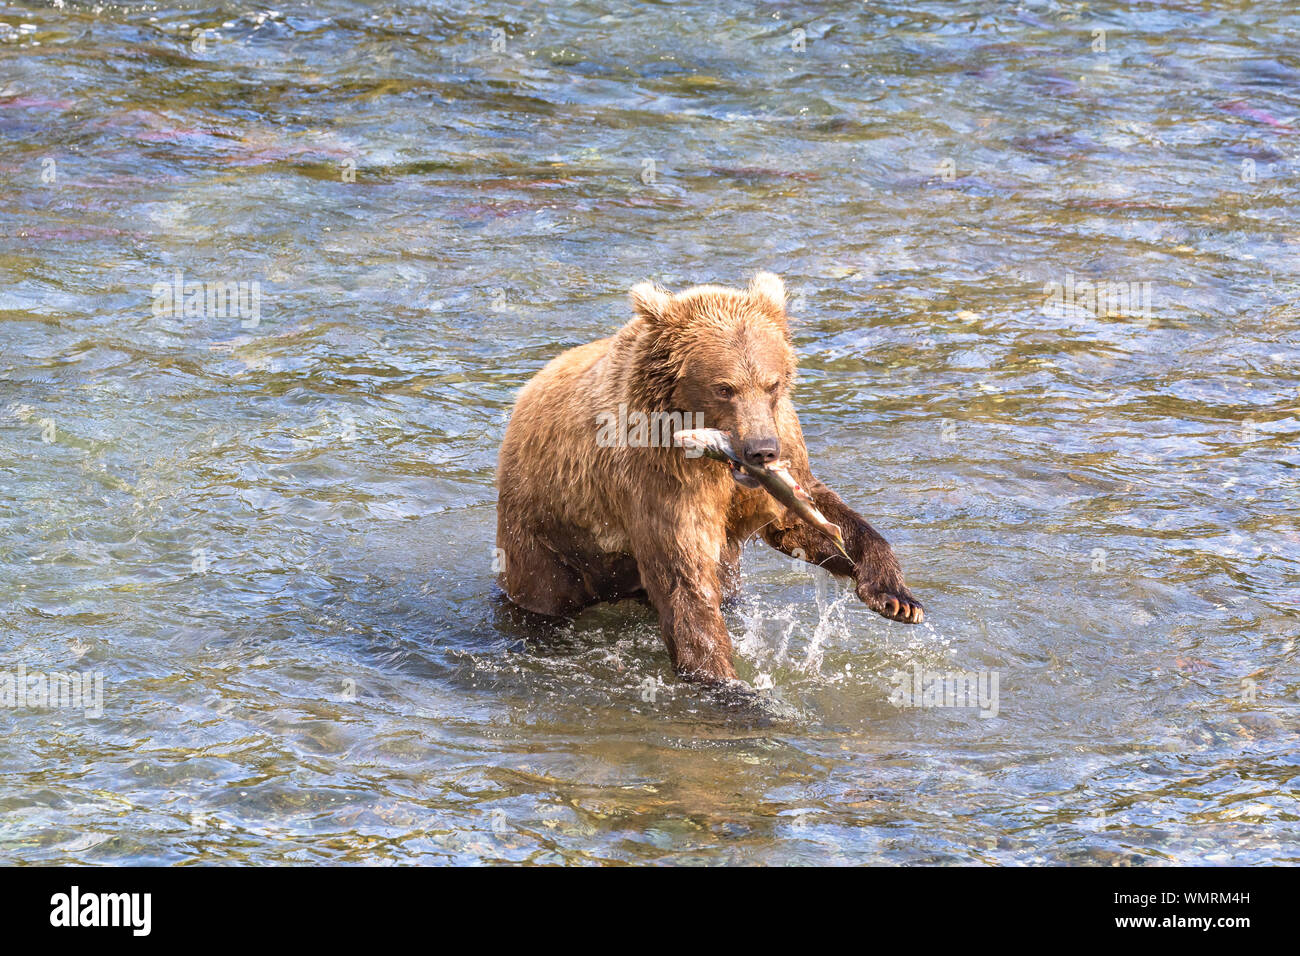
(742, 479)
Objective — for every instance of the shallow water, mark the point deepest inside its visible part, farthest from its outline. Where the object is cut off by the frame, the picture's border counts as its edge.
(273, 539)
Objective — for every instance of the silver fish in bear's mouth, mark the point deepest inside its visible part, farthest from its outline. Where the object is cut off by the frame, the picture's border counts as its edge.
(775, 478)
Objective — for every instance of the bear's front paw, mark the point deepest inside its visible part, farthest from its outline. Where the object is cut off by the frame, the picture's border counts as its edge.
(894, 602)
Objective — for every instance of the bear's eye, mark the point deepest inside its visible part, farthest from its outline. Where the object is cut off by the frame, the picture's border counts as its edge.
(725, 392)
(774, 388)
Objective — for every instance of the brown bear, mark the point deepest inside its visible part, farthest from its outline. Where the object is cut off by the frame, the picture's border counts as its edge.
(596, 504)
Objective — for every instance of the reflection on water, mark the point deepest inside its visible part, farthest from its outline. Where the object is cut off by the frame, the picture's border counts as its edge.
(271, 533)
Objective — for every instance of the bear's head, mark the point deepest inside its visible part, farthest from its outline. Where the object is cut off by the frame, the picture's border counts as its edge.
(722, 353)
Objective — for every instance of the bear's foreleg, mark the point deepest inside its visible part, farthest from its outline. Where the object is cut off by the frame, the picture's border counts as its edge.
(681, 573)
(875, 568)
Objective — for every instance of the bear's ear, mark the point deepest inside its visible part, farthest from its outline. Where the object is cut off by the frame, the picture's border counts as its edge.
(650, 301)
(767, 288)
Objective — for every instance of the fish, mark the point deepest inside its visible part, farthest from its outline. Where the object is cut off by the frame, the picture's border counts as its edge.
(1240, 108)
(775, 478)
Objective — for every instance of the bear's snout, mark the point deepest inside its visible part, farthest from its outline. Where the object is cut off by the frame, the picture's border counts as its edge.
(759, 451)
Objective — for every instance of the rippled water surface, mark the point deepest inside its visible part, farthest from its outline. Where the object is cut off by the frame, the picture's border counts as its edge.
(273, 538)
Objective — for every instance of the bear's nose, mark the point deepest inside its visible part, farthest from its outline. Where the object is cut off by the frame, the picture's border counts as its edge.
(759, 451)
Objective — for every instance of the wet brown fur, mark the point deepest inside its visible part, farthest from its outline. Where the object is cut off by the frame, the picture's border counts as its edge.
(579, 523)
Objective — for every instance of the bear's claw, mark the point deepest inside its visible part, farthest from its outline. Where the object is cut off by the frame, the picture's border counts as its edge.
(897, 608)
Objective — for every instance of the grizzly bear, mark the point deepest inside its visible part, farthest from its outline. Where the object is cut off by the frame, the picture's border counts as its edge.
(595, 503)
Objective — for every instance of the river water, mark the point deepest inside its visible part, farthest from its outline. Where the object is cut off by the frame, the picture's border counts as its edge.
(268, 530)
